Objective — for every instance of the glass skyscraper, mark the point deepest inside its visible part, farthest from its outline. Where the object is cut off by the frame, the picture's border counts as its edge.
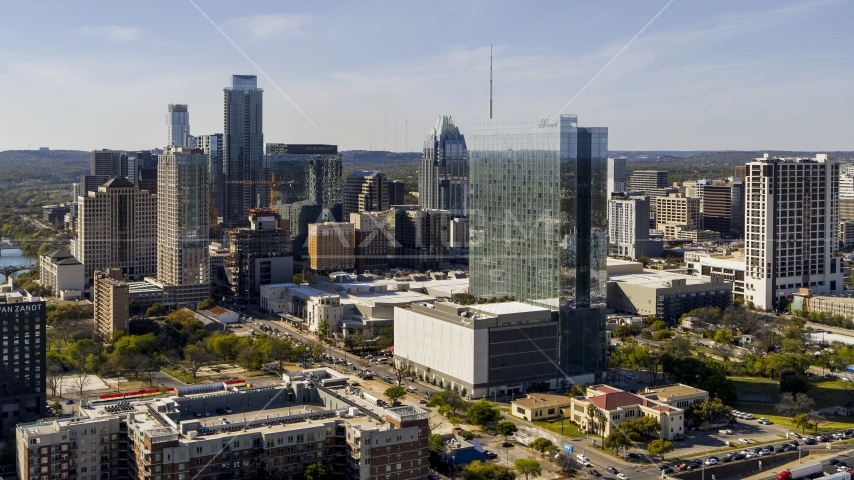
(243, 148)
(539, 226)
(443, 178)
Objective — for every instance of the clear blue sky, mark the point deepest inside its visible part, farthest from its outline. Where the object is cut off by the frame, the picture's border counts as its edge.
(704, 75)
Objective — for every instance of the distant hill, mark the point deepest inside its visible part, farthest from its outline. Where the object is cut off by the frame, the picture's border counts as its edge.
(34, 167)
(373, 160)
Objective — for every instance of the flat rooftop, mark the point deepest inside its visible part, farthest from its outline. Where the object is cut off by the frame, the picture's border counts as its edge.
(659, 279)
(667, 391)
(505, 308)
(543, 400)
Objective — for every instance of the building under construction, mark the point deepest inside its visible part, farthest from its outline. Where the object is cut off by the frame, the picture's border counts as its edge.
(259, 254)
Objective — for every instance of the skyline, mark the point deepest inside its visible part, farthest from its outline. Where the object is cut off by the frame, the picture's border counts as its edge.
(700, 77)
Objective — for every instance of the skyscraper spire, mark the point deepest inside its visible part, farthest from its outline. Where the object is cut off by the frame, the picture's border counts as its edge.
(490, 81)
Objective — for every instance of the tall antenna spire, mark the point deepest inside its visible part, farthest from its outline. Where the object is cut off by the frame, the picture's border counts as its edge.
(490, 81)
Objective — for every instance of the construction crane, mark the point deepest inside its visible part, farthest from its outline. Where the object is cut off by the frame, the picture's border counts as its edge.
(272, 183)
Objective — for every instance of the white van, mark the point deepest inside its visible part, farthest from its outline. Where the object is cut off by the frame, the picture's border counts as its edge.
(411, 389)
(381, 360)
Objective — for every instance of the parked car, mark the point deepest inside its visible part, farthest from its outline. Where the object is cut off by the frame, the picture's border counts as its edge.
(622, 476)
(595, 473)
(611, 469)
(69, 402)
(490, 454)
(744, 440)
(711, 461)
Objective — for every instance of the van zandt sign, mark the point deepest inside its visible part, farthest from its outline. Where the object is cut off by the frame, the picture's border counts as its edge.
(30, 307)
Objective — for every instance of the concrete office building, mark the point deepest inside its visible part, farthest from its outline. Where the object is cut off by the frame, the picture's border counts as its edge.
(330, 246)
(677, 210)
(444, 174)
(243, 147)
(259, 254)
(309, 187)
(24, 393)
(62, 274)
(371, 247)
(270, 432)
(365, 192)
(791, 226)
(117, 228)
(616, 176)
(90, 183)
(666, 295)
(846, 194)
(183, 227)
(111, 302)
(723, 208)
(110, 163)
(628, 227)
(212, 145)
(482, 349)
(541, 235)
(727, 265)
(178, 127)
(459, 232)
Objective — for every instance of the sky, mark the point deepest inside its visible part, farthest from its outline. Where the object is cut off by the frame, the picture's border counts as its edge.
(661, 75)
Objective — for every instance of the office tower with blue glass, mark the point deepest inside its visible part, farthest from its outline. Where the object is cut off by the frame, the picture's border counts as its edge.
(539, 228)
(243, 151)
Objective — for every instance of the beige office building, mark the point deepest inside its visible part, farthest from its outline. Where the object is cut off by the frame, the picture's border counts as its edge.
(330, 246)
(118, 229)
(677, 210)
(111, 300)
(612, 406)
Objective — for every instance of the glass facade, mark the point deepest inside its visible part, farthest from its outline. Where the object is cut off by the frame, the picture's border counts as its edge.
(539, 225)
(443, 178)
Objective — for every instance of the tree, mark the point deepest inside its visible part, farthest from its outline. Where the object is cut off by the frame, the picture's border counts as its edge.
(436, 444)
(794, 404)
(792, 382)
(802, 421)
(82, 380)
(297, 278)
(454, 402)
(478, 470)
(577, 390)
(394, 393)
(68, 311)
(53, 376)
(156, 310)
(206, 304)
(401, 368)
(322, 329)
(505, 429)
(617, 440)
(56, 407)
(659, 447)
(721, 387)
(723, 336)
(528, 467)
(658, 325)
(541, 445)
(711, 410)
(316, 471)
(317, 350)
(482, 413)
(195, 357)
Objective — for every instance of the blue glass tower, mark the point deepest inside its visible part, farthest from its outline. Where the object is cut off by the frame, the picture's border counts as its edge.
(539, 226)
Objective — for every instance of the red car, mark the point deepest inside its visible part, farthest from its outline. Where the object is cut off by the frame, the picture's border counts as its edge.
(595, 473)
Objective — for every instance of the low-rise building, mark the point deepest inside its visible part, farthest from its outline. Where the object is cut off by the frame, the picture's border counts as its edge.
(676, 395)
(540, 406)
(63, 274)
(665, 294)
(221, 315)
(727, 265)
(603, 408)
(478, 349)
(303, 306)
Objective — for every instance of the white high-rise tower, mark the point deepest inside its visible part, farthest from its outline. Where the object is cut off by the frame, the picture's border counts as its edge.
(178, 127)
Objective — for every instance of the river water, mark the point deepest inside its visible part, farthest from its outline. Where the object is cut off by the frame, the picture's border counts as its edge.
(13, 257)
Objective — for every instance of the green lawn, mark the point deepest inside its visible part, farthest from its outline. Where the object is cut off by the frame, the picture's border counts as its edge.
(826, 393)
(569, 430)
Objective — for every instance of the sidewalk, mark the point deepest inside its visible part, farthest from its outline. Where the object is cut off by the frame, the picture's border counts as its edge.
(811, 458)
